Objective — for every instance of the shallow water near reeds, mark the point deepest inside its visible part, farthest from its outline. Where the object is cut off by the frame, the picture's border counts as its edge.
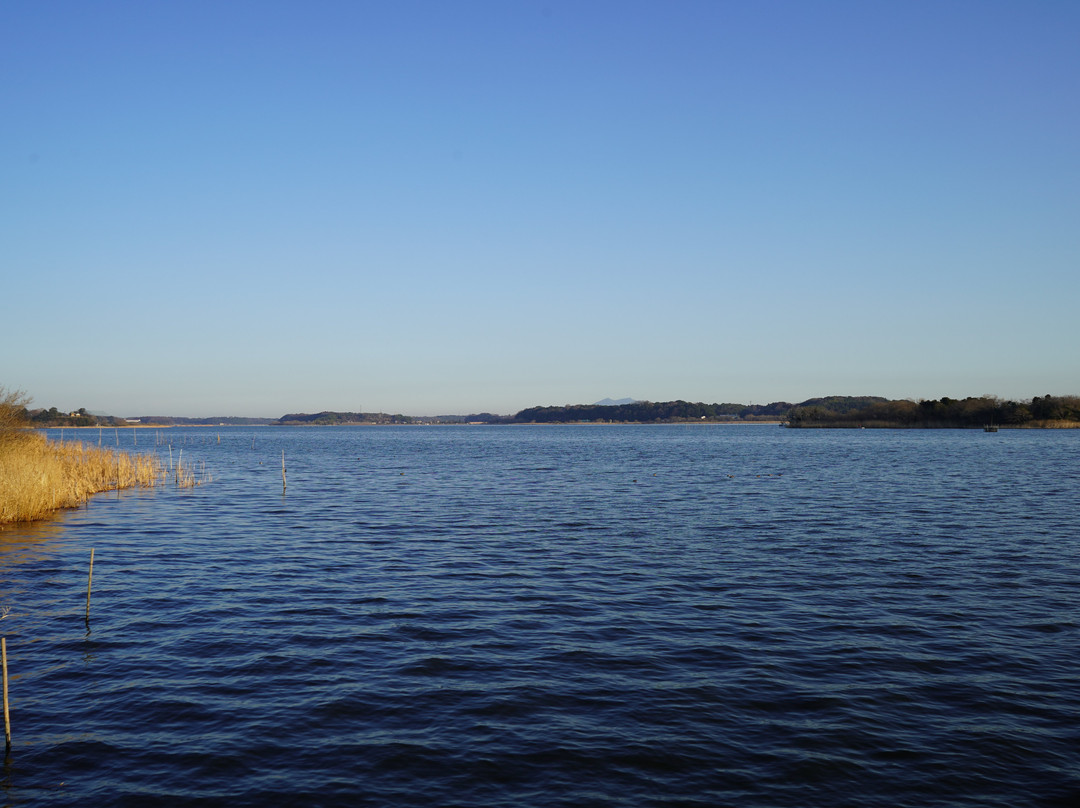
(557, 616)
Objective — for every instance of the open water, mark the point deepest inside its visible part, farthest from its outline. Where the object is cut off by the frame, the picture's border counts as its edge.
(557, 616)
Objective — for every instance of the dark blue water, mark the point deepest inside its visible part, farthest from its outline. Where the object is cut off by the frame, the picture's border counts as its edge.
(558, 616)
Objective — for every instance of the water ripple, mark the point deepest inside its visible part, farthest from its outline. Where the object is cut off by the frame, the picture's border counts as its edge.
(651, 616)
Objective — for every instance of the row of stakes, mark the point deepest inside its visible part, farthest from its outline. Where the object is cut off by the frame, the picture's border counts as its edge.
(3, 658)
(89, 586)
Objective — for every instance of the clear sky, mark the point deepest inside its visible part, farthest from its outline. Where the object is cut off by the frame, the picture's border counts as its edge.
(253, 208)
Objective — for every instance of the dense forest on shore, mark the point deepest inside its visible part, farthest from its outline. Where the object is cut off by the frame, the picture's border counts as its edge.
(833, 411)
(653, 412)
(1041, 411)
(326, 418)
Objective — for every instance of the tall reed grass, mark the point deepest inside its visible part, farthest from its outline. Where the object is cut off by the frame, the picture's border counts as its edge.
(39, 476)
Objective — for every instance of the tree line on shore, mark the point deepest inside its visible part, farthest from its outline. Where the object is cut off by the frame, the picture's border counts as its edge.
(327, 418)
(653, 412)
(1042, 411)
(829, 411)
(54, 417)
(833, 411)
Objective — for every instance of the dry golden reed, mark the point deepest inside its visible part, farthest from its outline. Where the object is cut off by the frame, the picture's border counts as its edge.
(185, 474)
(39, 476)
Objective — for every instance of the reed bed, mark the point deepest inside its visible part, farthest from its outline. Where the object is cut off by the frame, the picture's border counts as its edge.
(39, 476)
(185, 476)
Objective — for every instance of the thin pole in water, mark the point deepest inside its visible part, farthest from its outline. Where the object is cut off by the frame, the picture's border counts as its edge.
(7, 714)
(89, 584)
(283, 471)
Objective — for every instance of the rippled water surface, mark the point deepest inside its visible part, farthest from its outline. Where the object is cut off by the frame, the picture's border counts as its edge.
(558, 616)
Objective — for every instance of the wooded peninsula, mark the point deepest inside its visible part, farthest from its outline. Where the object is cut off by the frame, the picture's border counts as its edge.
(834, 412)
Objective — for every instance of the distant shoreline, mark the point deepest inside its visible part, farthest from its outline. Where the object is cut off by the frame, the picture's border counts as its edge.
(1054, 425)
(829, 412)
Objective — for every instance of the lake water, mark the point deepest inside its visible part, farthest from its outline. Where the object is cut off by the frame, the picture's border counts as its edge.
(557, 616)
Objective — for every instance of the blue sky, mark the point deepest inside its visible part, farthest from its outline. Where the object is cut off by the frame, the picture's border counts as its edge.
(253, 208)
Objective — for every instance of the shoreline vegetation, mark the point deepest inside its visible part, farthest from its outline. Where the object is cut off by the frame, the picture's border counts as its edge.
(1040, 412)
(39, 476)
(831, 412)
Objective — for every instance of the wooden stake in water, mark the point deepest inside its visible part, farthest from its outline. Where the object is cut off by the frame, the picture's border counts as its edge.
(89, 584)
(7, 715)
(283, 471)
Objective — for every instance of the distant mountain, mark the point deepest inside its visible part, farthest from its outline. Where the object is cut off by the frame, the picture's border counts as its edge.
(612, 402)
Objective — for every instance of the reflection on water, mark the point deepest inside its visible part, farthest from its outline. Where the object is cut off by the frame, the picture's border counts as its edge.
(28, 541)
